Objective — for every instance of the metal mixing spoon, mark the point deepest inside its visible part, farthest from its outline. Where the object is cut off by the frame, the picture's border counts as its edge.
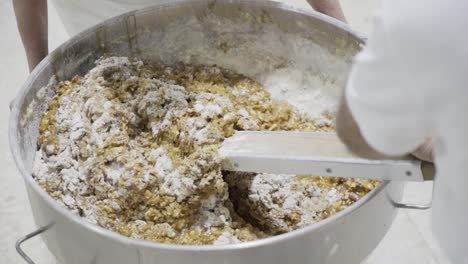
(312, 153)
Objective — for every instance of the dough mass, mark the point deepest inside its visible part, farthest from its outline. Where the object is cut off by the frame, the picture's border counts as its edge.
(132, 147)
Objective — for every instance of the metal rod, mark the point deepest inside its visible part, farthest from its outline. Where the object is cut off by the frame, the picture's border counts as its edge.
(27, 237)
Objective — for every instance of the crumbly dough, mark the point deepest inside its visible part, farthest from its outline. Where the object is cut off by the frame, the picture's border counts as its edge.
(132, 147)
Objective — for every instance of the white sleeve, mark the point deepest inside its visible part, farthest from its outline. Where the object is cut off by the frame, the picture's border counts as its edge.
(387, 90)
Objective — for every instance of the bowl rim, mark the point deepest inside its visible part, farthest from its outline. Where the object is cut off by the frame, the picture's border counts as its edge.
(13, 143)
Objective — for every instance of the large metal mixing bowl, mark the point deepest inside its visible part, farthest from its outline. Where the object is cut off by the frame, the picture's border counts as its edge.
(251, 37)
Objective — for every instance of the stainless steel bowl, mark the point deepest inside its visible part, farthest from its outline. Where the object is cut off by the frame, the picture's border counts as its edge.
(251, 37)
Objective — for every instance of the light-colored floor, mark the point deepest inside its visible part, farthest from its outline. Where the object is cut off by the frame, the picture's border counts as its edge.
(408, 241)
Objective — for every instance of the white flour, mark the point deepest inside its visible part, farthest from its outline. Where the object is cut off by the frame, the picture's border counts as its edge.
(273, 199)
(308, 93)
(226, 238)
(94, 158)
(138, 154)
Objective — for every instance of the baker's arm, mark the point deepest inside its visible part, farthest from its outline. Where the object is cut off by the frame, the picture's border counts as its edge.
(31, 17)
(328, 7)
(383, 109)
(348, 131)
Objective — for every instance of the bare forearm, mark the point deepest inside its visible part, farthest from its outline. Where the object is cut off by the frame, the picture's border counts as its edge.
(328, 7)
(31, 17)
